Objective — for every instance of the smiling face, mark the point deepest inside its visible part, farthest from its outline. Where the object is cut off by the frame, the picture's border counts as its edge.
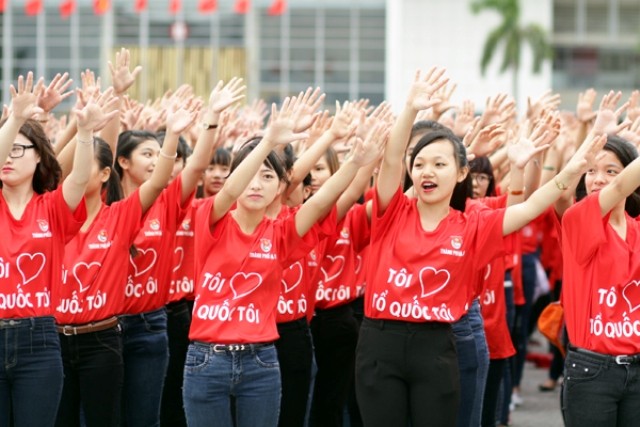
(435, 172)
(142, 161)
(16, 171)
(600, 174)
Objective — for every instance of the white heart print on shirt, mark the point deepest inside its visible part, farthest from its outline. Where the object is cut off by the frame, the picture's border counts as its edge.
(433, 281)
(242, 284)
(178, 257)
(30, 265)
(338, 259)
(85, 274)
(144, 261)
(294, 272)
(631, 294)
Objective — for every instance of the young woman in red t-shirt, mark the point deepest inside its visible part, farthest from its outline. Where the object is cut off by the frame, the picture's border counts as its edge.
(144, 319)
(233, 328)
(427, 255)
(601, 271)
(38, 217)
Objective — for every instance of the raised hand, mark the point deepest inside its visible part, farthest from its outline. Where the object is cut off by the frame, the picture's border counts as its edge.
(548, 101)
(463, 122)
(487, 140)
(632, 134)
(180, 115)
(91, 88)
(371, 149)
(308, 103)
(23, 100)
(281, 129)
(497, 110)
(607, 117)
(523, 148)
(444, 94)
(423, 89)
(343, 124)
(585, 155)
(132, 111)
(121, 75)
(223, 96)
(96, 112)
(633, 112)
(51, 96)
(584, 109)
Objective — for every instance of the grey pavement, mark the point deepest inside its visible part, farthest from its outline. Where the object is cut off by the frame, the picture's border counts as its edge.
(540, 409)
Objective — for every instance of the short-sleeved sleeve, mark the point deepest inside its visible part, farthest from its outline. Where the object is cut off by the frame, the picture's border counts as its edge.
(583, 228)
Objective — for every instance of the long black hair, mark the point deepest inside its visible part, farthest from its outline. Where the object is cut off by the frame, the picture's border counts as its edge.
(463, 189)
(104, 156)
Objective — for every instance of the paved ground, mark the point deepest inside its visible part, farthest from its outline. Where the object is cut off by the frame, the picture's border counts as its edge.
(539, 409)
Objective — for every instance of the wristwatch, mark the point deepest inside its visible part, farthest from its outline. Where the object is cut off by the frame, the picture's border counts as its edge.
(207, 126)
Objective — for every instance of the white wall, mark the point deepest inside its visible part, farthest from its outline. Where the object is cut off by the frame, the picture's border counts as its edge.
(424, 33)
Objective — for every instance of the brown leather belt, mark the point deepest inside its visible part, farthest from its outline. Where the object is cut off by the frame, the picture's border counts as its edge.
(87, 327)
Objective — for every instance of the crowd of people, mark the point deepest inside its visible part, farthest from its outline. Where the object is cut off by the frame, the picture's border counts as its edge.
(199, 262)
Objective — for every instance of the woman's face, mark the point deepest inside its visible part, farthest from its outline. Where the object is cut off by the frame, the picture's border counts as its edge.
(435, 172)
(319, 174)
(214, 178)
(601, 173)
(140, 165)
(262, 190)
(18, 170)
(480, 182)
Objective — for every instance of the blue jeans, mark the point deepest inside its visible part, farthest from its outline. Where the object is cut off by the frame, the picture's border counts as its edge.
(31, 372)
(597, 392)
(146, 354)
(477, 326)
(93, 376)
(468, 366)
(211, 377)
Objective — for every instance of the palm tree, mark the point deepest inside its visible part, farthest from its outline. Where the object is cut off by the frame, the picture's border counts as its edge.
(513, 36)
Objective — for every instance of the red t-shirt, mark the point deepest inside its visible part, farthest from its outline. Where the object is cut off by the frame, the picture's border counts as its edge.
(494, 311)
(239, 276)
(298, 282)
(601, 286)
(31, 251)
(420, 275)
(93, 277)
(183, 269)
(551, 254)
(149, 278)
(337, 280)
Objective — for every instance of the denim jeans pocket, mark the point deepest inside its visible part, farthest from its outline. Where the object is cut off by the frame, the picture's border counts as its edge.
(196, 360)
(110, 339)
(156, 322)
(267, 357)
(579, 369)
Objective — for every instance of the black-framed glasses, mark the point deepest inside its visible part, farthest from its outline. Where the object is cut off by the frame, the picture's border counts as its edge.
(481, 178)
(17, 150)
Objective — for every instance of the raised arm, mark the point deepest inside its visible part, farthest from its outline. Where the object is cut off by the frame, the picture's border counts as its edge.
(122, 78)
(221, 98)
(279, 133)
(420, 98)
(519, 215)
(178, 119)
(23, 107)
(95, 114)
(363, 154)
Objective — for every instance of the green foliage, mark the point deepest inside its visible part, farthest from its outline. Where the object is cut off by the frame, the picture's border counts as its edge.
(510, 34)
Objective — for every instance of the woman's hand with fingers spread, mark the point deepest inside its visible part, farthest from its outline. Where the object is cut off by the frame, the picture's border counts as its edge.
(424, 87)
(24, 99)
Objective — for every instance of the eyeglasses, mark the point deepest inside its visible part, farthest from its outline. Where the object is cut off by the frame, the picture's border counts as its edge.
(17, 150)
(481, 178)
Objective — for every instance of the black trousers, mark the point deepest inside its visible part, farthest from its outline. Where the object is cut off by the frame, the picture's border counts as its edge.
(407, 372)
(178, 323)
(335, 335)
(295, 354)
(491, 391)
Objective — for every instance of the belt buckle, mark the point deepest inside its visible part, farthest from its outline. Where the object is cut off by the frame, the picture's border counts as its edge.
(68, 330)
(219, 348)
(624, 360)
